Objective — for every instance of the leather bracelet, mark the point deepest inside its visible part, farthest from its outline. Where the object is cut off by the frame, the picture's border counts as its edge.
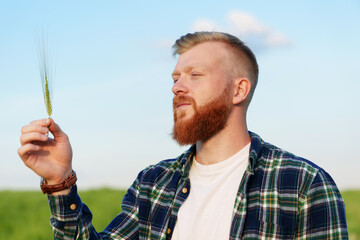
(65, 184)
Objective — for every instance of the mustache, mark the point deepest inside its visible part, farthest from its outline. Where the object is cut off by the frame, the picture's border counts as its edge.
(177, 100)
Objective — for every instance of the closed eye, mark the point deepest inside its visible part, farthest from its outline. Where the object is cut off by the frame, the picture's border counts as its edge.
(175, 77)
(196, 74)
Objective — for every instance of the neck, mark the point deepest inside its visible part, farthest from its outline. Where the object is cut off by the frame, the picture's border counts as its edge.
(224, 144)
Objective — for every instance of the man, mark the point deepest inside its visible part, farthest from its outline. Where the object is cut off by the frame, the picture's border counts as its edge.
(229, 185)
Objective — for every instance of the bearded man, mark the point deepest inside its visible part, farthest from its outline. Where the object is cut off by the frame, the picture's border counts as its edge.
(230, 184)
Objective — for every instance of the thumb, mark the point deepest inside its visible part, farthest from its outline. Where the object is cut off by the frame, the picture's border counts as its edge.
(56, 130)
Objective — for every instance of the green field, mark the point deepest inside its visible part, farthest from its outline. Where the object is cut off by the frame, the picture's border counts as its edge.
(25, 214)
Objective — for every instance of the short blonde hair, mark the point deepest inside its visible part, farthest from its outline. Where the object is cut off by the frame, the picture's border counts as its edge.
(242, 53)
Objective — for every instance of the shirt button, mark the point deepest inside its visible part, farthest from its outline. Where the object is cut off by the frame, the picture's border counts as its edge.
(168, 231)
(184, 190)
(73, 206)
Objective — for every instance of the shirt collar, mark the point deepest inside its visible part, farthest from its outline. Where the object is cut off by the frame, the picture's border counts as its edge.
(185, 160)
(255, 150)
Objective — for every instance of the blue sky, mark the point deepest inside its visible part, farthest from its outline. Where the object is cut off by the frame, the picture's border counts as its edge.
(112, 91)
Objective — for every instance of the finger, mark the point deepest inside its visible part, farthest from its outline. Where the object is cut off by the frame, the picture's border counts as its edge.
(23, 151)
(34, 128)
(32, 136)
(56, 130)
(42, 122)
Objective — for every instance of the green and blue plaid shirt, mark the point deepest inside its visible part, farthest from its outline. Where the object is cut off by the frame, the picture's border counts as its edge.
(281, 196)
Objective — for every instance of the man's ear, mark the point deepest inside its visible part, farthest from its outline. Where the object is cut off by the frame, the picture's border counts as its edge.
(242, 88)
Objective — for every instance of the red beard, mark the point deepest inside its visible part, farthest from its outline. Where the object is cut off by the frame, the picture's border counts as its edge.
(206, 121)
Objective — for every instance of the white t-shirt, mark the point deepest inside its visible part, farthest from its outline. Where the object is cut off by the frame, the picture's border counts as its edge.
(207, 212)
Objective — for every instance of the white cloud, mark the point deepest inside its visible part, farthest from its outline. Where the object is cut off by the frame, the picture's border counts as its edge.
(247, 26)
(204, 25)
(249, 29)
(277, 39)
(256, 34)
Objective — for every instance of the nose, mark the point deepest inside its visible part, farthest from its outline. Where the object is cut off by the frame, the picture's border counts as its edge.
(179, 86)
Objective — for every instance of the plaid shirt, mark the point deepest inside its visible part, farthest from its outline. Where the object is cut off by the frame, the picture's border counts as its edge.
(281, 196)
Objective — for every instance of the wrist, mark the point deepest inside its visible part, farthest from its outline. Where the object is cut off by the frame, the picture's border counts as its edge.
(61, 188)
(58, 180)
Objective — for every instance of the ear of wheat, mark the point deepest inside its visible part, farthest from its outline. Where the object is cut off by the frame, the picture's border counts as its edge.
(46, 73)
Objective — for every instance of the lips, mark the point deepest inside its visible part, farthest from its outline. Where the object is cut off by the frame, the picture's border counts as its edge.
(182, 104)
(182, 101)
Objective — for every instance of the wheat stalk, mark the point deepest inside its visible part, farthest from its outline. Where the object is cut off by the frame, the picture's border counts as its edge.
(46, 73)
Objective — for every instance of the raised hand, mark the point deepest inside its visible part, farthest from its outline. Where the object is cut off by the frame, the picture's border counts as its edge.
(49, 158)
